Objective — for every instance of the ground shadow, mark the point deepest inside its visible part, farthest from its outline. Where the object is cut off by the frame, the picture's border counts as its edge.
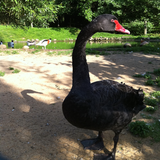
(32, 125)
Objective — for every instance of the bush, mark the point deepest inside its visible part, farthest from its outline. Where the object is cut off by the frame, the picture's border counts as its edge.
(140, 128)
(149, 82)
(151, 101)
(2, 73)
(150, 109)
(137, 27)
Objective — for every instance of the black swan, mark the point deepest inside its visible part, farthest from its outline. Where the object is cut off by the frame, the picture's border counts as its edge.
(103, 105)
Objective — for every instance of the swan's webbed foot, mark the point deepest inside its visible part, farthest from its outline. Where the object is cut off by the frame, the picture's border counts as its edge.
(103, 157)
(93, 144)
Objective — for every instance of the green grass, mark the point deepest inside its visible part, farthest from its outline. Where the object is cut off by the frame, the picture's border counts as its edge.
(140, 128)
(59, 53)
(151, 101)
(143, 129)
(150, 81)
(2, 74)
(151, 129)
(16, 71)
(146, 75)
(11, 68)
(150, 109)
(15, 52)
(35, 51)
(157, 72)
(8, 33)
(155, 134)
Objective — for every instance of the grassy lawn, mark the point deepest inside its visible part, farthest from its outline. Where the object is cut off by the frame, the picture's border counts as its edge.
(9, 33)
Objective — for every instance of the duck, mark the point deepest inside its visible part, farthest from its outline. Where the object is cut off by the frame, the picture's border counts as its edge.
(127, 45)
(102, 105)
(44, 42)
(143, 42)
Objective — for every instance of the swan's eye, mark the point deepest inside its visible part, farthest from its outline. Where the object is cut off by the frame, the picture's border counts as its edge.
(112, 20)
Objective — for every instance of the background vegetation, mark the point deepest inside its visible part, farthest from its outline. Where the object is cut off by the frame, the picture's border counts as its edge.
(73, 13)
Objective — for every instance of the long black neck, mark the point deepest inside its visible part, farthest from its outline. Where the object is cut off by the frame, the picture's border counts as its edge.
(79, 62)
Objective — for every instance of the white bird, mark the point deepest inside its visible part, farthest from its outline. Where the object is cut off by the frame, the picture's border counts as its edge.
(44, 42)
(31, 43)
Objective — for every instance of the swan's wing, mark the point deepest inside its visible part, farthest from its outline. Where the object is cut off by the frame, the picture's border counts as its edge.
(116, 94)
(116, 85)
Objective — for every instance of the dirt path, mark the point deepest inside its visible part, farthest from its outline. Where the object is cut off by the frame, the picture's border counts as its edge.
(32, 126)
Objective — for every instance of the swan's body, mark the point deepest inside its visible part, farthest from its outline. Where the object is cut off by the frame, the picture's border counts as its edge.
(102, 105)
(44, 42)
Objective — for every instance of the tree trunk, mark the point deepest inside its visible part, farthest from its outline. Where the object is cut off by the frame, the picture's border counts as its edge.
(32, 25)
(145, 27)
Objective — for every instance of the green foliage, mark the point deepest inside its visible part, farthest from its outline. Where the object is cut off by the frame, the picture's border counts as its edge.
(11, 68)
(150, 109)
(16, 71)
(157, 72)
(2, 74)
(137, 27)
(140, 128)
(35, 51)
(138, 75)
(134, 13)
(156, 95)
(146, 116)
(149, 82)
(151, 101)
(146, 75)
(15, 52)
(155, 134)
(23, 13)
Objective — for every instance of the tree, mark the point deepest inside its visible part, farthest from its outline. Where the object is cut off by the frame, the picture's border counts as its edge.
(135, 12)
(128, 11)
(24, 12)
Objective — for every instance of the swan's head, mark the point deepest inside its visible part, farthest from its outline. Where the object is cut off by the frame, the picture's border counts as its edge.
(109, 23)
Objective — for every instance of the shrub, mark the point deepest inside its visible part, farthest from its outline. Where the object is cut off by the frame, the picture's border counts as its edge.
(2, 74)
(140, 128)
(149, 82)
(16, 71)
(137, 27)
(150, 109)
(157, 72)
(151, 101)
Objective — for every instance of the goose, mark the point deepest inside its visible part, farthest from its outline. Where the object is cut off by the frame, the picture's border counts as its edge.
(44, 42)
(102, 105)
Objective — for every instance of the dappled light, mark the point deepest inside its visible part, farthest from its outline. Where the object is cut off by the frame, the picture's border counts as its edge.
(32, 125)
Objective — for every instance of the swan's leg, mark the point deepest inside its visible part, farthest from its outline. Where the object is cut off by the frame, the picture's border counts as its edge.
(110, 156)
(93, 144)
(116, 138)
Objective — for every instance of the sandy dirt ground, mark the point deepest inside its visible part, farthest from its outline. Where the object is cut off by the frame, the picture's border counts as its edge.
(32, 125)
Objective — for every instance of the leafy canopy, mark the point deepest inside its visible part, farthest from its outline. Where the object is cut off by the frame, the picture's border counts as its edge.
(24, 12)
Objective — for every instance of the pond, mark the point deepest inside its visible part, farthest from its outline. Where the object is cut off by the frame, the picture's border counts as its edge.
(70, 45)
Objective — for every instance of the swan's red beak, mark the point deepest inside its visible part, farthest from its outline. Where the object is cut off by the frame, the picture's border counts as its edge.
(119, 28)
